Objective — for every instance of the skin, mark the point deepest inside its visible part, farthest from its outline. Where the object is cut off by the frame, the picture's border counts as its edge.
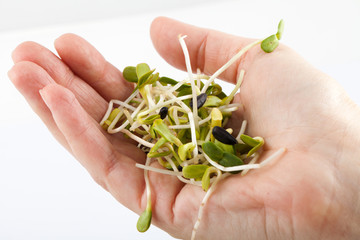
(310, 192)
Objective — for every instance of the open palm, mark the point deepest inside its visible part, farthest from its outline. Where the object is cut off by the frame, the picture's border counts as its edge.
(306, 194)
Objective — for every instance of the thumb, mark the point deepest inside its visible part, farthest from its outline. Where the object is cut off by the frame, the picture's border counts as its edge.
(208, 49)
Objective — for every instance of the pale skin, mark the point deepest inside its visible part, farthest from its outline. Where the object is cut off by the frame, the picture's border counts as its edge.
(310, 192)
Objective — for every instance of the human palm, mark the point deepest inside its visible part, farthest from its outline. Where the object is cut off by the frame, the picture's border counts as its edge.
(305, 194)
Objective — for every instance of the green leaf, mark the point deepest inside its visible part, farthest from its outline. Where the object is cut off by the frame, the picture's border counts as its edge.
(144, 221)
(204, 130)
(185, 149)
(221, 95)
(194, 171)
(183, 135)
(255, 148)
(142, 69)
(129, 73)
(203, 113)
(152, 79)
(205, 181)
(230, 160)
(158, 144)
(242, 148)
(213, 151)
(270, 43)
(184, 92)
(143, 80)
(212, 101)
(150, 119)
(280, 29)
(225, 147)
(111, 118)
(249, 140)
(160, 128)
(152, 132)
(166, 80)
(217, 89)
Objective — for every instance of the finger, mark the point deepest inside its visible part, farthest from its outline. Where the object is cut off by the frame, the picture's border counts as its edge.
(208, 49)
(94, 104)
(113, 170)
(29, 78)
(87, 63)
(91, 147)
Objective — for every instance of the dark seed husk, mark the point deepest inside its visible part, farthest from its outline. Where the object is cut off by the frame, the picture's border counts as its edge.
(223, 136)
(163, 112)
(201, 99)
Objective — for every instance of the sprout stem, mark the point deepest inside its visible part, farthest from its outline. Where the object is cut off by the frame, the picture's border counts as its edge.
(136, 138)
(242, 131)
(231, 169)
(193, 87)
(111, 105)
(274, 156)
(253, 160)
(112, 125)
(158, 170)
(236, 88)
(228, 64)
(203, 202)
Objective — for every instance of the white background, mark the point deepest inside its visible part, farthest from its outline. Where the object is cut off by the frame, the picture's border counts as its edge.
(44, 192)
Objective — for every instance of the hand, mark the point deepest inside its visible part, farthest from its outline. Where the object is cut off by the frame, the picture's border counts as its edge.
(311, 192)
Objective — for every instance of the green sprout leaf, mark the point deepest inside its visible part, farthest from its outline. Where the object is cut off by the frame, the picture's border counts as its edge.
(216, 89)
(160, 128)
(213, 151)
(144, 221)
(204, 132)
(153, 78)
(111, 118)
(270, 43)
(205, 181)
(212, 101)
(256, 148)
(230, 160)
(249, 140)
(142, 69)
(157, 145)
(145, 79)
(167, 80)
(255, 143)
(194, 171)
(150, 119)
(129, 73)
(185, 150)
(145, 75)
(242, 148)
(280, 29)
(225, 147)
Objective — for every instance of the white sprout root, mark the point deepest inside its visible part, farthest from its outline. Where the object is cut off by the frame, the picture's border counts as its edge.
(203, 202)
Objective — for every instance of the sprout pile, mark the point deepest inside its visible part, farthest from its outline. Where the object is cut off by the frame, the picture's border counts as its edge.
(182, 126)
